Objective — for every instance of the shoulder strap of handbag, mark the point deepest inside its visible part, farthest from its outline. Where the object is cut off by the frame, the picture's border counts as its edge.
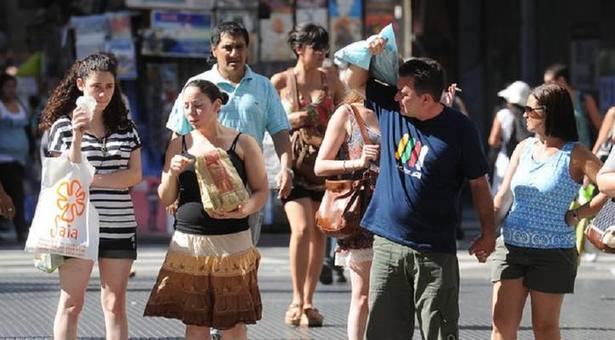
(292, 87)
(324, 82)
(360, 123)
(184, 148)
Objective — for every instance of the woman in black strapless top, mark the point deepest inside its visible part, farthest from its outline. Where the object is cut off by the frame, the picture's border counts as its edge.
(209, 276)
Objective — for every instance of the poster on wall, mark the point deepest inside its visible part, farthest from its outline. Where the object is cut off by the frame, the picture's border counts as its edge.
(276, 21)
(344, 22)
(119, 25)
(124, 51)
(171, 4)
(249, 19)
(110, 32)
(236, 4)
(313, 11)
(90, 34)
(178, 34)
(378, 14)
(120, 43)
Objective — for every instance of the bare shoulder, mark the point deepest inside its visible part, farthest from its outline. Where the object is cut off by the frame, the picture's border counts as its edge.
(247, 144)
(342, 111)
(522, 145)
(581, 153)
(340, 120)
(279, 80)
(369, 116)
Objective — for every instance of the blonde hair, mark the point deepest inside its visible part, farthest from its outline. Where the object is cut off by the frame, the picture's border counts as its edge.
(353, 97)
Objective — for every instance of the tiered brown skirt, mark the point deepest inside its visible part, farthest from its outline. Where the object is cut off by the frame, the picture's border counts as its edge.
(208, 280)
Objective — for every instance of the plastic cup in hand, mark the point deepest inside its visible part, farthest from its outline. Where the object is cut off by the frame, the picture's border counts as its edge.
(88, 104)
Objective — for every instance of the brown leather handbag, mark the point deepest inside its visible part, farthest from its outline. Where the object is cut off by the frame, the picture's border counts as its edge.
(345, 201)
(304, 141)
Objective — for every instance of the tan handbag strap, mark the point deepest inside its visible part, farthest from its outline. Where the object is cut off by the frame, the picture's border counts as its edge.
(292, 87)
(324, 82)
(361, 124)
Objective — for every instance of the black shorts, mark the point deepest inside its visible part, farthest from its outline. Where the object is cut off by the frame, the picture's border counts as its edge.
(118, 248)
(544, 270)
(301, 192)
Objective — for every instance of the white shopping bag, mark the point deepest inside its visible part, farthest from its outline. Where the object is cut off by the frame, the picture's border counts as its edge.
(65, 222)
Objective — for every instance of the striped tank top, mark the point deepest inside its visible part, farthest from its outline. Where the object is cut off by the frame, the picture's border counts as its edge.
(107, 155)
(542, 193)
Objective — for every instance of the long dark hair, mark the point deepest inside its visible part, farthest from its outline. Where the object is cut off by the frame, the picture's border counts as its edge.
(62, 100)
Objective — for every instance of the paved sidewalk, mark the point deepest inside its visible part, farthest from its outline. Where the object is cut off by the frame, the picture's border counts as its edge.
(28, 299)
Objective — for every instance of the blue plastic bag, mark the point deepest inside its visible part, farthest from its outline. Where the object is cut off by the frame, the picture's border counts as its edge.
(177, 122)
(383, 66)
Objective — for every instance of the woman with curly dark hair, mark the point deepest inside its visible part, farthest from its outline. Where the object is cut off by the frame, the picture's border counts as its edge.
(110, 142)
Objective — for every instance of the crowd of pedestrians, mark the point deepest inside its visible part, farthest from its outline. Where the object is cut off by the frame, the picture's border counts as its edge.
(415, 149)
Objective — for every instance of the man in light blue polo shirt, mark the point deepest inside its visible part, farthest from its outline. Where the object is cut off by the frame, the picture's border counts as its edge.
(253, 107)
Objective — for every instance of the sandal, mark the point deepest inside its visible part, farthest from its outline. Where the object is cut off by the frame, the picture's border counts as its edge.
(293, 314)
(311, 317)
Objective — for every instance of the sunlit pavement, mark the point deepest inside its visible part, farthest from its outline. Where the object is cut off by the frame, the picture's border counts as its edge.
(28, 299)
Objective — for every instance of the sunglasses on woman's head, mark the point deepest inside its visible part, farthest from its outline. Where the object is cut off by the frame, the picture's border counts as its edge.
(533, 111)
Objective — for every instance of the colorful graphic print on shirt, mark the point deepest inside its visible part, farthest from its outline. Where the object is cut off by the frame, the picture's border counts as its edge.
(410, 155)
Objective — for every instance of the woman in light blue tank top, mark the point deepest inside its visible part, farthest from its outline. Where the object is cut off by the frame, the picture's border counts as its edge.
(536, 253)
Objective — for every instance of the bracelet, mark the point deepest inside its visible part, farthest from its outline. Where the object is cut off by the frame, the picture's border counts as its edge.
(575, 215)
(344, 165)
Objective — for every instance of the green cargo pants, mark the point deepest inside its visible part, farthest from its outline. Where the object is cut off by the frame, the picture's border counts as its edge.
(404, 282)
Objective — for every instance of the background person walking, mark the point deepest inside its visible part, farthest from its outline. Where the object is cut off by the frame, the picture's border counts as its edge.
(14, 148)
(309, 95)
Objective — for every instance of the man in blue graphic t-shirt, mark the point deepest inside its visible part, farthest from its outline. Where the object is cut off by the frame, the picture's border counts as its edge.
(427, 152)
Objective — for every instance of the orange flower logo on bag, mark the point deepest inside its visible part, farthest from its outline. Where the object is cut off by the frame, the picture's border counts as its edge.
(71, 200)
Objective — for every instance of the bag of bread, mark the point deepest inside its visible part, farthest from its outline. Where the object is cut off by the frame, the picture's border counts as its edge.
(220, 185)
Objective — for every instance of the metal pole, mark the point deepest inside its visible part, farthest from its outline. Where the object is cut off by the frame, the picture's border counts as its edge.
(407, 29)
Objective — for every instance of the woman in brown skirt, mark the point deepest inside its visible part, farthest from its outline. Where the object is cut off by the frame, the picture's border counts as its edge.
(209, 276)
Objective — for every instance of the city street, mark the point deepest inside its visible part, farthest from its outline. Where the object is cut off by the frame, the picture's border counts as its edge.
(28, 298)
(432, 97)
